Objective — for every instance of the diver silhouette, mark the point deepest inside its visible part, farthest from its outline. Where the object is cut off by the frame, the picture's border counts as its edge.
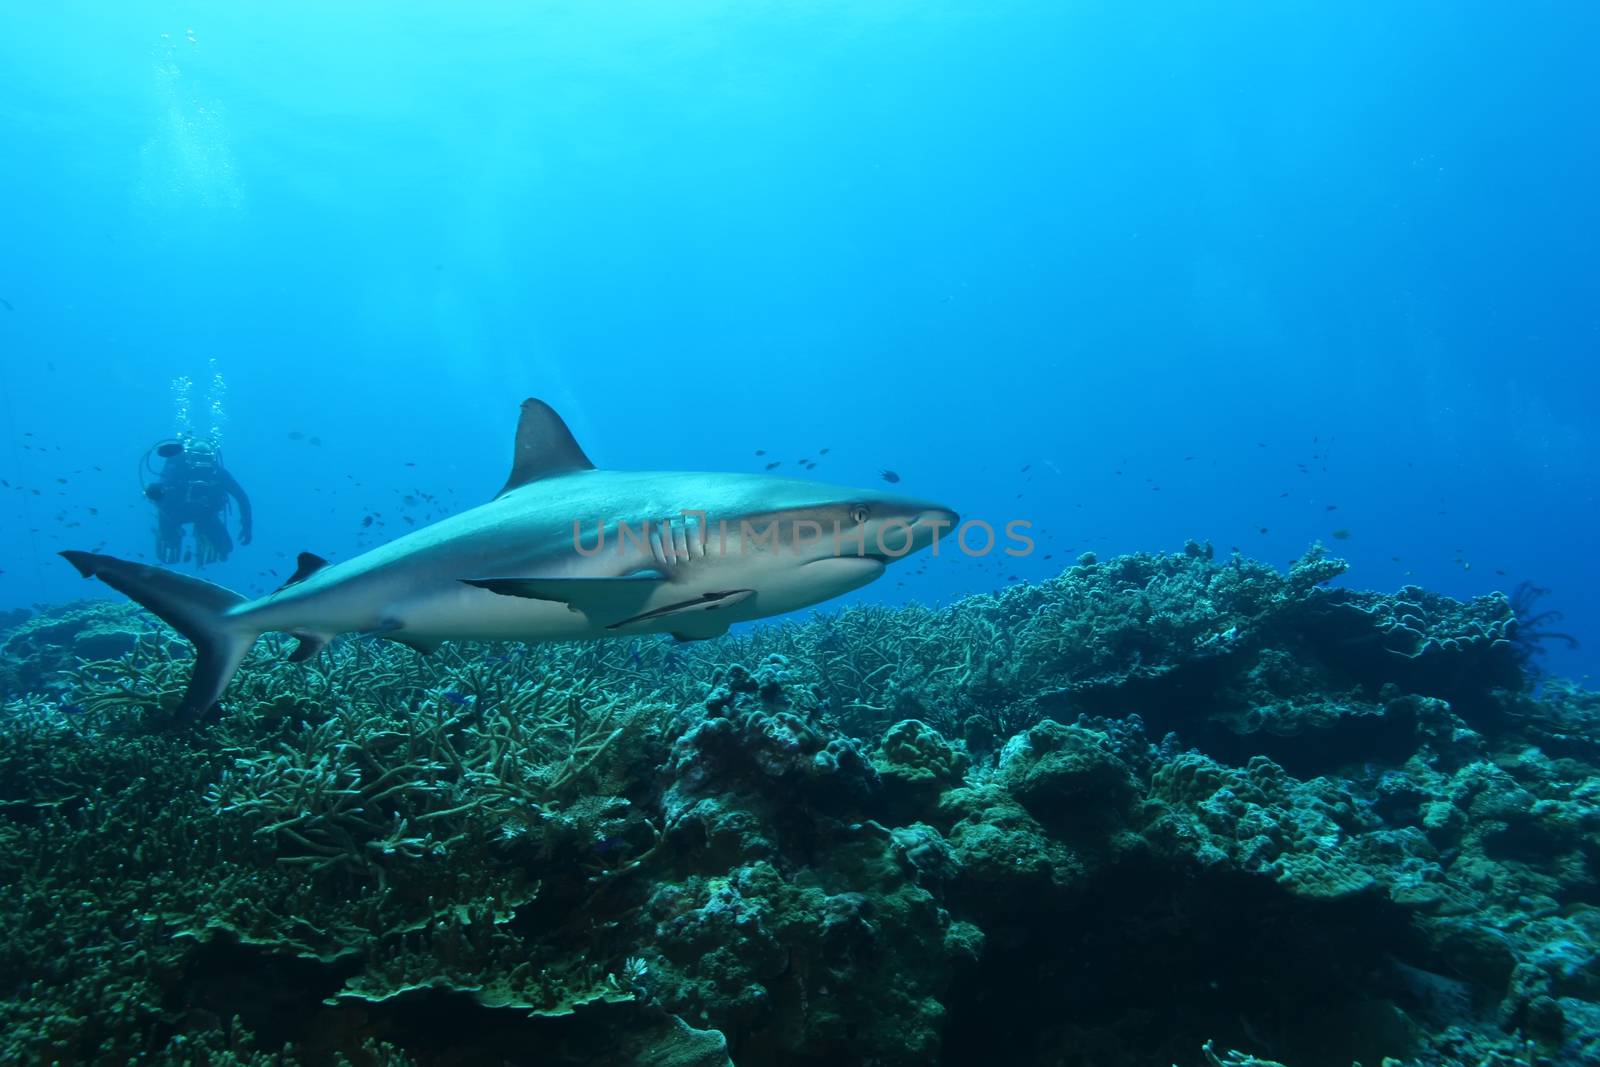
(193, 489)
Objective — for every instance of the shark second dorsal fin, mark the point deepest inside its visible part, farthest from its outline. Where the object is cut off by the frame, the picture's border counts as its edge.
(544, 447)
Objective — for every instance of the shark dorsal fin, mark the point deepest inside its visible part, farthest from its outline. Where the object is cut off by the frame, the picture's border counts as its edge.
(306, 565)
(544, 447)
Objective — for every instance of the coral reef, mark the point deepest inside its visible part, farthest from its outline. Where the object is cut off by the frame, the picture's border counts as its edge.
(1158, 809)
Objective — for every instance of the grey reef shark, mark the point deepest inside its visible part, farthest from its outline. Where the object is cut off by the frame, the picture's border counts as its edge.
(565, 551)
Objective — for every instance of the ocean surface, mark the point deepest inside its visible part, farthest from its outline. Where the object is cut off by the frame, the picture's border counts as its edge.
(1249, 278)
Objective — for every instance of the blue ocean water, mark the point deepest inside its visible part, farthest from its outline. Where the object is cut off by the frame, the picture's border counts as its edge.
(1263, 275)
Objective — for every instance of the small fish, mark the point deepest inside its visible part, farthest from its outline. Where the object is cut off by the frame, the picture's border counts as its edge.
(1341, 535)
(367, 521)
(457, 699)
(6, 304)
(1026, 467)
(633, 654)
(1263, 529)
(774, 464)
(822, 451)
(315, 441)
(1331, 507)
(889, 476)
(761, 451)
(410, 464)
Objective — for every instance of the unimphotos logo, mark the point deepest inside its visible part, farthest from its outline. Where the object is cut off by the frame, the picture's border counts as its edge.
(892, 538)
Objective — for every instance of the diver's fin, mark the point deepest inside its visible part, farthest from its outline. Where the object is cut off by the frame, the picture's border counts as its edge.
(544, 447)
(598, 598)
(310, 645)
(196, 609)
(703, 602)
(305, 566)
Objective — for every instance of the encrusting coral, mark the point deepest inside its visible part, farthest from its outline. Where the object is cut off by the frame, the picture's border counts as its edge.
(1151, 803)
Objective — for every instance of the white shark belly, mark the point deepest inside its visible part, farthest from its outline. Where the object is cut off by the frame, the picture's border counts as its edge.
(469, 614)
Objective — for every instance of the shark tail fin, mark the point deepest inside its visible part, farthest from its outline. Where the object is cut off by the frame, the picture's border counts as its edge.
(196, 609)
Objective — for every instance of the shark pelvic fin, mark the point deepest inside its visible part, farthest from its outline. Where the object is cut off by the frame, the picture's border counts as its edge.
(392, 629)
(310, 644)
(426, 646)
(544, 447)
(305, 566)
(684, 638)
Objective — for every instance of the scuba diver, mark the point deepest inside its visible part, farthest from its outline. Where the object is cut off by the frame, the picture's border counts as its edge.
(192, 488)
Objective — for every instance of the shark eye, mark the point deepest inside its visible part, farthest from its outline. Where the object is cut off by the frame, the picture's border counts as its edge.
(859, 513)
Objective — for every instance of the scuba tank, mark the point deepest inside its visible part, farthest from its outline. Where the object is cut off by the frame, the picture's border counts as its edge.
(201, 458)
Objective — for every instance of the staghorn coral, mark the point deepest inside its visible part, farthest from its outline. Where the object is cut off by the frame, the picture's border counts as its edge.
(1323, 824)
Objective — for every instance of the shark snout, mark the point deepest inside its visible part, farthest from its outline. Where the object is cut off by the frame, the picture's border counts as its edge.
(930, 525)
(914, 529)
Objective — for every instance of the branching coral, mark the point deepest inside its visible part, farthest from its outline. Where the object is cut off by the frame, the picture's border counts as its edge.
(626, 835)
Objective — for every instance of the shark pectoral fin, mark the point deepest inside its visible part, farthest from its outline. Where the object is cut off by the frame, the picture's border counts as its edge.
(598, 598)
(305, 566)
(704, 602)
(310, 645)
